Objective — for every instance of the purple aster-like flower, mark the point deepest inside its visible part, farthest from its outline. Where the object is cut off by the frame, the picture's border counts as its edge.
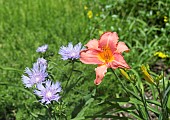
(70, 52)
(42, 49)
(35, 75)
(49, 92)
(42, 61)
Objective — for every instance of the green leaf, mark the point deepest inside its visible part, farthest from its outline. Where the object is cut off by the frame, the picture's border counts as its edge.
(168, 103)
(81, 113)
(78, 118)
(154, 102)
(140, 106)
(153, 109)
(124, 99)
(108, 116)
(84, 107)
(135, 115)
(18, 87)
(135, 101)
(10, 69)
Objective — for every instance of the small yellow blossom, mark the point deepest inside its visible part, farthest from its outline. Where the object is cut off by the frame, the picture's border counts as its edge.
(146, 75)
(161, 55)
(90, 14)
(85, 7)
(165, 19)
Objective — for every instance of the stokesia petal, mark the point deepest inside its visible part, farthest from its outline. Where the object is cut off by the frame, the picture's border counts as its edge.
(48, 101)
(28, 71)
(78, 47)
(70, 46)
(100, 73)
(37, 93)
(121, 47)
(119, 62)
(48, 84)
(109, 39)
(26, 81)
(56, 97)
(43, 100)
(40, 86)
(90, 57)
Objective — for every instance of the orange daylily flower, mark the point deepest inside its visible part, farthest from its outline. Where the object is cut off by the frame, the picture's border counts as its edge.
(106, 53)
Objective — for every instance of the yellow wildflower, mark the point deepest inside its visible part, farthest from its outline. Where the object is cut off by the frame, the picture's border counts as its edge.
(146, 75)
(161, 55)
(90, 14)
(85, 7)
(165, 19)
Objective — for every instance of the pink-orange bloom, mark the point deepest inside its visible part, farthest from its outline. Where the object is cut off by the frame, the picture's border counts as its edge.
(106, 53)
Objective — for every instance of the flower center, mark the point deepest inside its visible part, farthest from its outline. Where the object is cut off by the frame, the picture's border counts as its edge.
(37, 78)
(106, 55)
(48, 94)
(73, 54)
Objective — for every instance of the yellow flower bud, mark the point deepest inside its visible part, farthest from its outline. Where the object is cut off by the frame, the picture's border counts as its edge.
(146, 75)
(124, 73)
(158, 78)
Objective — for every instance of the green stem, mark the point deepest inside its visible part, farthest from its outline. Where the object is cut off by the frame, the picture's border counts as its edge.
(126, 89)
(164, 115)
(164, 108)
(70, 74)
(143, 101)
(49, 112)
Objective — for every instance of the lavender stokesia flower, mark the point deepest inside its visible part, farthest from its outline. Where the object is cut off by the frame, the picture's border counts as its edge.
(70, 52)
(42, 61)
(35, 75)
(42, 49)
(49, 92)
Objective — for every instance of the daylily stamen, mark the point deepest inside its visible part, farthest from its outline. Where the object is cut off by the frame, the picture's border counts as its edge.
(106, 55)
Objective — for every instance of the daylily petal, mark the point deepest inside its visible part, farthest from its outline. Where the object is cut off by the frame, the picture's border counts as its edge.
(121, 47)
(109, 39)
(119, 62)
(100, 72)
(90, 57)
(93, 44)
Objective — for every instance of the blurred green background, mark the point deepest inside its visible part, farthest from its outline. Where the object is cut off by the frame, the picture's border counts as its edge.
(144, 25)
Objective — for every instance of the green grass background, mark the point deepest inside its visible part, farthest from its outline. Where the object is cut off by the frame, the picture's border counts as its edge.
(28, 24)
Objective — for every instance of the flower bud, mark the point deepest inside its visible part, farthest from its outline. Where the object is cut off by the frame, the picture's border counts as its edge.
(124, 73)
(146, 75)
(158, 78)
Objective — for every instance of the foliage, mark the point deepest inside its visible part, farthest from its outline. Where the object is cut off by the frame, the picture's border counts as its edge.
(143, 25)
